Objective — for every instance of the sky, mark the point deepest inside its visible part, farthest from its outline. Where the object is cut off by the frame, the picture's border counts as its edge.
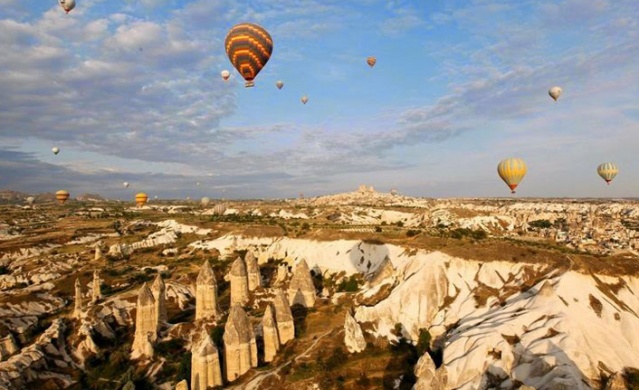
(130, 90)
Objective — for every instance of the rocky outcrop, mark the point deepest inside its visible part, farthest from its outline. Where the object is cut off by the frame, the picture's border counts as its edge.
(8, 347)
(353, 336)
(239, 282)
(39, 361)
(98, 253)
(159, 293)
(182, 385)
(146, 325)
(283, 317)
(206, 294)
(96, 293)
(77, 311)
(240, 349)
(429, 378)
(301, 290)
(253, 271)
(205, 364)
(270, 335)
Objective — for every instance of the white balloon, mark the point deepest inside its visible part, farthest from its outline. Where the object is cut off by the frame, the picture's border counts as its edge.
(555, 92)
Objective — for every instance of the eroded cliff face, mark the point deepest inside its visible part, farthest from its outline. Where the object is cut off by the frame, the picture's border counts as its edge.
(498, 323)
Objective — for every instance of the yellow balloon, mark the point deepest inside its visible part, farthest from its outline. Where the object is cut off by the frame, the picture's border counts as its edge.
(512, 171)
(141, 198)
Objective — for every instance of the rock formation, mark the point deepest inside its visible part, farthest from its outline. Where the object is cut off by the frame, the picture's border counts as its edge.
(430, 378)
(98, 253)
(182, 385)
(159, 294)
(240, 350)
(353, 336)
(96, 293)
(8, 347)
(271, 338)
(205, 364)
(239, 282)
(206, 293)
(146, 325)
(253, 271)
(283, 317)
(77, 311)
(301, 290)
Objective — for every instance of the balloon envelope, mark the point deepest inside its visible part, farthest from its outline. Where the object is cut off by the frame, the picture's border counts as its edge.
(67, 5)
(126, 184)
(225, 74)
(30, 200)
(279, 84)
(607, 171)
(140, 199)
(249, 48)
(512, 171)
(205, 201)
(62, 196)
(555, 92)
(371, 61)
(304, 99)
(55, 150)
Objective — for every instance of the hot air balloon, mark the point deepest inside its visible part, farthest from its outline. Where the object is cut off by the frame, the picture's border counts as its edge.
(279, 84)
(555, 92)
(62, 196)
(67, 5)
(30, 200)
(219, 209)
(304, 99)
(225, 74)
(55, 150)
(371, 61)
(205, 201)
(512, 171)
(249, 48)
(126, 184)
(140, 199)
(198, 183)
(155, 197)
(607, 171)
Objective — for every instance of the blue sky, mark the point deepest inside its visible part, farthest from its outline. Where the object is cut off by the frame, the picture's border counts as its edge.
(131, 91)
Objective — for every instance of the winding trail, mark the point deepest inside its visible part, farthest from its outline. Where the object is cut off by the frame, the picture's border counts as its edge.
(254, 383)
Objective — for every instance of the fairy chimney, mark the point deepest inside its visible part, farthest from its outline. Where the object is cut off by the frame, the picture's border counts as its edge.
(98, 253)
(146, 325)
(205, 364)
(206, 293)
(97, 293)
(159, 294)
(77, 311)
(240, 350)
(253, 271)
(271, 339)
(301, 289)
(239, 282)
(283, 317)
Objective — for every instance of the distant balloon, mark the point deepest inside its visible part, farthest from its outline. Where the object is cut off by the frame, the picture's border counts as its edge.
(225, 74)
(30, 200)
(607, 171)
(512, 171)
(304, 99)
(126, 184)
(198, 183)
(555, 92)
(219, 209)
(155, 197)
(62, 196)
(67, 5)
(55, 150)
(205, 201)
(249, 48)
(279, 84)
(140, 199)
(371, 61)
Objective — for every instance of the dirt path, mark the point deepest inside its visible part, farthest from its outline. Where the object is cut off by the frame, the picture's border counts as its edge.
(254, 383)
